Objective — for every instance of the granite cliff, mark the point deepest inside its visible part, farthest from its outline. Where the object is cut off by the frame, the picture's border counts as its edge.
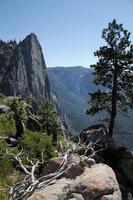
(23, 70)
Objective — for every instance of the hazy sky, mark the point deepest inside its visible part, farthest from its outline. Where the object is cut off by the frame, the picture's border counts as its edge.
(69, 31)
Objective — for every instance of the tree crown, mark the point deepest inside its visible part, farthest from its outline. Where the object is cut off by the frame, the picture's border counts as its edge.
(114, 60)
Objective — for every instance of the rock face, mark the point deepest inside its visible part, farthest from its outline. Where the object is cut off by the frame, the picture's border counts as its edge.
(97, 134)
(121, 161)
(126, 165)
(84, 181)
(23, 72)
(62, 117)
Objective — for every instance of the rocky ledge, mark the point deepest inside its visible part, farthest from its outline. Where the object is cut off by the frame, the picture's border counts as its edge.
(85, 180)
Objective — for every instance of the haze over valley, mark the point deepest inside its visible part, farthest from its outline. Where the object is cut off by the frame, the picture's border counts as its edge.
(66, 100)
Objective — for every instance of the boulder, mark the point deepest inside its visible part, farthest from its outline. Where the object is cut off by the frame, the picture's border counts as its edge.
(85, 180)
(13, 142)
(97, 134)
(126, 165)
(121, 160)
(76, 169)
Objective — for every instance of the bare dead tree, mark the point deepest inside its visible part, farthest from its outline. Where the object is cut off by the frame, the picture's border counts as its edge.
(22, 190)
(25, 188)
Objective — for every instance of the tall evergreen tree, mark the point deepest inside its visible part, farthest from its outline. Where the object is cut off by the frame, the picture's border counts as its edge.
(114, 71)
(19, 108)
(48, 120)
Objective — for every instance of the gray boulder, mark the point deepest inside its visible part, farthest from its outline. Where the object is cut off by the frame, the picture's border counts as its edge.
(84, 181)
(126, 165)
(97, 134)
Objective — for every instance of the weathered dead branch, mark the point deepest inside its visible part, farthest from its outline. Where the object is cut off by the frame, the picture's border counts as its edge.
(22, 190)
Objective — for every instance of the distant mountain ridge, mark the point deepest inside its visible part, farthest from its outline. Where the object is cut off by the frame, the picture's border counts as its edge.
(23, 73)
(72, 84)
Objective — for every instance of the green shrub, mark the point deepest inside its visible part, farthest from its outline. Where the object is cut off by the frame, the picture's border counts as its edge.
(7, 124)
(34, 143)
(5, 162)
(2, 147)
(2, 96)
(3, 194)
(64, 142)
(5, 167)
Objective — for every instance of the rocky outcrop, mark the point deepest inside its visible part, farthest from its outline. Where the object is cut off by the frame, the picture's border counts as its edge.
(61, 117)
(97, 134)
(121, 161)
(126, 165)
(25, 72)
(84, 181)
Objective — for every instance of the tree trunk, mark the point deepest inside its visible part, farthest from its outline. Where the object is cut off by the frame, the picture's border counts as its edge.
(54, 138)
(113, 101)
(20, 128)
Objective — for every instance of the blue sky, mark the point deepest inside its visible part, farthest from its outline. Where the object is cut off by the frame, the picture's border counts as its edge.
(69, 31)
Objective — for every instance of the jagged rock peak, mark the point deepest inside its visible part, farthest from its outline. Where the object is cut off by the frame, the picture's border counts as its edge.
(25, 73)
(31, 38)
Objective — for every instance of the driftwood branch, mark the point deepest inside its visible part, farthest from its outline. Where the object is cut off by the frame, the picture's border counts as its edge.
(22, 190)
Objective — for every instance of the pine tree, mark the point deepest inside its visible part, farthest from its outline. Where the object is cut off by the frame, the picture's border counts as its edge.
(48, 120)
(19, 108)
(114, 71)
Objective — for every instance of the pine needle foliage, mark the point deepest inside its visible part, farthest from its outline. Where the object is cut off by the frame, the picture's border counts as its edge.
(114, 71)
